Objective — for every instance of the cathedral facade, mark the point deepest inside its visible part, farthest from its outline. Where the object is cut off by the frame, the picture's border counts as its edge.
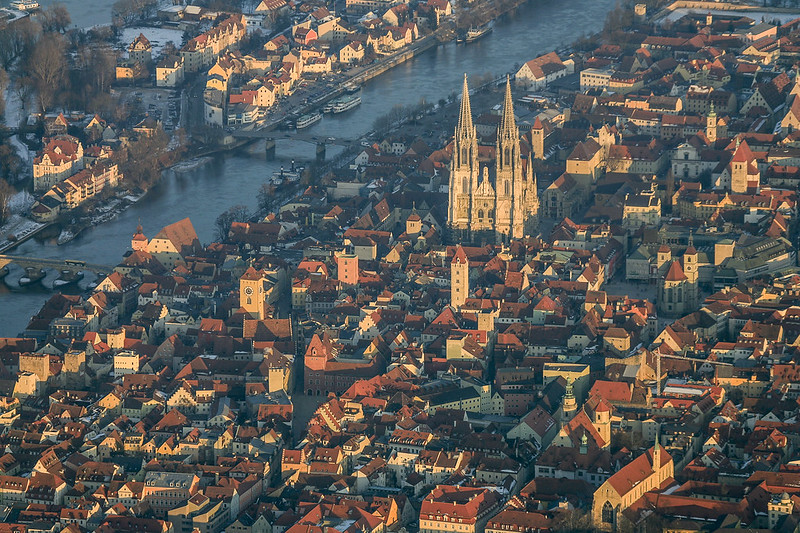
(491, 200)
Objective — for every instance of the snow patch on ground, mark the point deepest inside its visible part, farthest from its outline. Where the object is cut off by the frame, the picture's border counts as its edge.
(18, 228)
(20, 202)
(158, 37)
(13, 117)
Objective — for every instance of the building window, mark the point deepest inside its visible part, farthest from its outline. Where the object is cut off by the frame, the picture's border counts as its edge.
(608, 513)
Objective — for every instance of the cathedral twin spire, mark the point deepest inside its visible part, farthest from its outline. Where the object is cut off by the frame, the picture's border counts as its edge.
(466, 136)
(506, 204)
(465, 129)
(508, 125)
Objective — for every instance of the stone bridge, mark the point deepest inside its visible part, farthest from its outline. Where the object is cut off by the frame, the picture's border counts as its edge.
(57, 264)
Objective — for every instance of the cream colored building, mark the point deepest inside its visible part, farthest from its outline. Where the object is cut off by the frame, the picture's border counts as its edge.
(496, 201)
(59, 159)
(645, 473)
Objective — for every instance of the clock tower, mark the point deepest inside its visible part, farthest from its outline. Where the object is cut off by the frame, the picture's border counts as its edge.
(252, 295)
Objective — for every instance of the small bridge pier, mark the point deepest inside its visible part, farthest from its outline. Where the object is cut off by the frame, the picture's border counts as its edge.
(270, 148)
(321, 151)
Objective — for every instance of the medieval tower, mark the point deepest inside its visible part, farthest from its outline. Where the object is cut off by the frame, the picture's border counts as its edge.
(492, 202)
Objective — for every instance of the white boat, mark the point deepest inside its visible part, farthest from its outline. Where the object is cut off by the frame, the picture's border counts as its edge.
(307, 120)
(24, 5)
(475, 33)
(346, 104)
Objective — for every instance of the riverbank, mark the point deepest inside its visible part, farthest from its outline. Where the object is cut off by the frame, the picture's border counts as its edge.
(233, 177)
(99, 214)
(489, 10)
(18, 230)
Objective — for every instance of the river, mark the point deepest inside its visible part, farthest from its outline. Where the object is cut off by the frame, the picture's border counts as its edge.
(203, 192)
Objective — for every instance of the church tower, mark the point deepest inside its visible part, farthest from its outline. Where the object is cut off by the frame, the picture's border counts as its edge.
(459, 278)
(690, 270)
(537, 140)
(139, 241)
(508, 181)
(463, 168)
(711, 124)
(347, 269)
(664, 256)
(569, 406)
(252, 295)
(530, 208)
(492, 202)
(657, 451)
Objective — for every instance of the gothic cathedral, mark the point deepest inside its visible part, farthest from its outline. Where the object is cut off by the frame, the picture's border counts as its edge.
(491, 202)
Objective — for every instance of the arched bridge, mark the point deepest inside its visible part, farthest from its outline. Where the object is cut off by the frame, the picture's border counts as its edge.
(73, 266)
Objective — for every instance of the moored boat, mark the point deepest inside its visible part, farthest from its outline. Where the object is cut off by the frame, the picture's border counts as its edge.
(308, 120)
(281, 176)
(346, 104)
(24, 5)
(474, 33)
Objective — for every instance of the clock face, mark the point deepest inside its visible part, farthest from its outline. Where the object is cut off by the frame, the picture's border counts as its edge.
(248, 290)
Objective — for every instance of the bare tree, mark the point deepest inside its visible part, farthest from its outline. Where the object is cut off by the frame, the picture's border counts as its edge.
(237, 213)
(96, 65)
(56, 18)
(265, 197)
(127, 11)
(6, 193)
(24, 90)
(573, 520)
(10, 163)
(141, 163)
(169, 49)
(7, 52)
(3, 85)
(122, 12)
(16, 40)
(47, 67)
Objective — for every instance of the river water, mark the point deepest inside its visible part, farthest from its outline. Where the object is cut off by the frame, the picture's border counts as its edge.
(206, 190)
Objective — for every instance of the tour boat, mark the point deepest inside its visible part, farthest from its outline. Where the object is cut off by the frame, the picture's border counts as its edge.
(24, 5)
(307, 120)
(346, 104)
(475, 33)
